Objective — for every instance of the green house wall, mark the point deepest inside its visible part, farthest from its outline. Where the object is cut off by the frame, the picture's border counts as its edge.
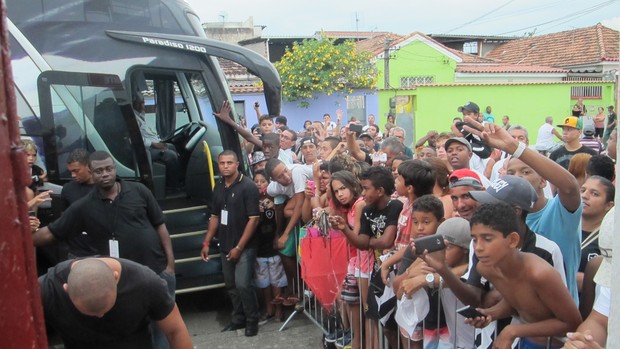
(417, 59)
(434, 107)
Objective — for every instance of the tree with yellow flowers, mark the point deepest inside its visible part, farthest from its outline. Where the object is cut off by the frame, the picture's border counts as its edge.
(315, 67)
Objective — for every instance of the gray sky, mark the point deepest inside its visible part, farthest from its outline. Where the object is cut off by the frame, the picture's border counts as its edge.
(481, 17)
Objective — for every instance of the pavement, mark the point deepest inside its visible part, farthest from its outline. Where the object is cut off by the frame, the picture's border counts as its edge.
(206, 313)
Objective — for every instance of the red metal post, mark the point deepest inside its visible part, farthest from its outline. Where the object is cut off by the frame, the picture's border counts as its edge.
(21, 319)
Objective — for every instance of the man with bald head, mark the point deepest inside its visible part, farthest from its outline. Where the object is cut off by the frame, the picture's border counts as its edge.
(108, 303)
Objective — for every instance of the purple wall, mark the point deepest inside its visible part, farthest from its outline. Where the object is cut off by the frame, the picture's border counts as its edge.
(297, 115)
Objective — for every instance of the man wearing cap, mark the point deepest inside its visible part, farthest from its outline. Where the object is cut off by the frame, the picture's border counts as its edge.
(559, 218)
(571, 132)
(258, 161)
(475, 291)
(588, 139)
(462, 182)
(460, 155)
(369, 142)
(592, 333)
(308, 150)
(354, 148)
(470, 109)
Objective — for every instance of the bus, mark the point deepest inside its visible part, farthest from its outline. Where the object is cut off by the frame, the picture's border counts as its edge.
(79, 64)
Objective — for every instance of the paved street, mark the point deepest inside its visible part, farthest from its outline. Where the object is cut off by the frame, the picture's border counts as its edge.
(206, 313)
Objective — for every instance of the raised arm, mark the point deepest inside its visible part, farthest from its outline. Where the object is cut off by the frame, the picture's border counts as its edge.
(566, 184)
(224, 116)
(257, 110)
(354, 148)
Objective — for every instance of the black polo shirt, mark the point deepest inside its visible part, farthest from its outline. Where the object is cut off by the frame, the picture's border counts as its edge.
(240, 200)
(130, 218)
(73, 191)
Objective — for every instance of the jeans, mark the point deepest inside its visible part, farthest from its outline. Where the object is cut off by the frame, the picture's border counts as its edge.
(160, 341)
(239, 281)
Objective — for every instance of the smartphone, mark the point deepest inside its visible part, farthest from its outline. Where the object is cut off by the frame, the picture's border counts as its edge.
(470, 312)
(357, 129)
(430, 243)
(256, 105)
(311, 185)
(32, 213)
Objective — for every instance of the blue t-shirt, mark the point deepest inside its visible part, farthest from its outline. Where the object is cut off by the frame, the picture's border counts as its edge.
(489, 117)
(559, 225)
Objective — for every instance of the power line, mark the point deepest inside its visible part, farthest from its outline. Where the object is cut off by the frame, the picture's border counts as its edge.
(480, 17)
(569, 16)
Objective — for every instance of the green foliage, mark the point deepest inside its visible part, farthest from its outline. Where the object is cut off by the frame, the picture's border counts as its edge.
(321, 67)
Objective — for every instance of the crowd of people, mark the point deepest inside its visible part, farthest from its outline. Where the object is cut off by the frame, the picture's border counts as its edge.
(521, 228)
(468, 238)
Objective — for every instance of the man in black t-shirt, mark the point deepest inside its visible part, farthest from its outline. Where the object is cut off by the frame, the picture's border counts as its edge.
(79, 187)
(82, 183)
(122, 219)
(108, 303)
(378, 226)
(234, 217)
(571, 134)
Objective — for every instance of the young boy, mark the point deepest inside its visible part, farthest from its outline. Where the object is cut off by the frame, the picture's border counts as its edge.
(529, 285)
(377, 232)
(427, 213)
(270, 276)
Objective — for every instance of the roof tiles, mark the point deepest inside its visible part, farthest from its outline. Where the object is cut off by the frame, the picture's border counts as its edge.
(568, 48)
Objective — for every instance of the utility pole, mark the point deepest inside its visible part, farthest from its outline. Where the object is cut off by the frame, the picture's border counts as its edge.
(386, 63)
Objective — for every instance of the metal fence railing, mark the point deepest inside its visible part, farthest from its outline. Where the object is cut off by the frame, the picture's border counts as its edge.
(338, 320)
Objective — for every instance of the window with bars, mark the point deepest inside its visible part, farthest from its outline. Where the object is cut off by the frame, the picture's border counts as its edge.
(586, 92)
(413, 81)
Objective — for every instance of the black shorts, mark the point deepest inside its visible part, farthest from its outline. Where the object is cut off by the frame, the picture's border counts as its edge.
(598, 132)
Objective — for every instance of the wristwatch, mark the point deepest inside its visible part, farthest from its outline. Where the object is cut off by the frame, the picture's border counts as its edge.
(430, 280)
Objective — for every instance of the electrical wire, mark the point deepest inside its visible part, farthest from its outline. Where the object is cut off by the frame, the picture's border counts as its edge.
(480, 17)
(566, 17)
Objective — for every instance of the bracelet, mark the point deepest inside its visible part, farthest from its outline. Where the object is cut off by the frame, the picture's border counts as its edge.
(205, 243)
(238, 248)
(520, 149)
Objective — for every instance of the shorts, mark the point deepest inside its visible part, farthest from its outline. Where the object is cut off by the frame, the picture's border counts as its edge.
(290, 246)
(350, 292)
(427, 335)
(525, 343)
(269, 271)
(598, 132)
(363, 263)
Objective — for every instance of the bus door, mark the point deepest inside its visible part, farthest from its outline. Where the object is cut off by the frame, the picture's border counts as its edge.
(212, 75)
(178, 107)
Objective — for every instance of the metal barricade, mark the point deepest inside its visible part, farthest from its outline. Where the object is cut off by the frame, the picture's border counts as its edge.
(338, 324)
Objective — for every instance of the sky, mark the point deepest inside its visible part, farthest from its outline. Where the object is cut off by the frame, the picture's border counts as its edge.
(464, 17)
